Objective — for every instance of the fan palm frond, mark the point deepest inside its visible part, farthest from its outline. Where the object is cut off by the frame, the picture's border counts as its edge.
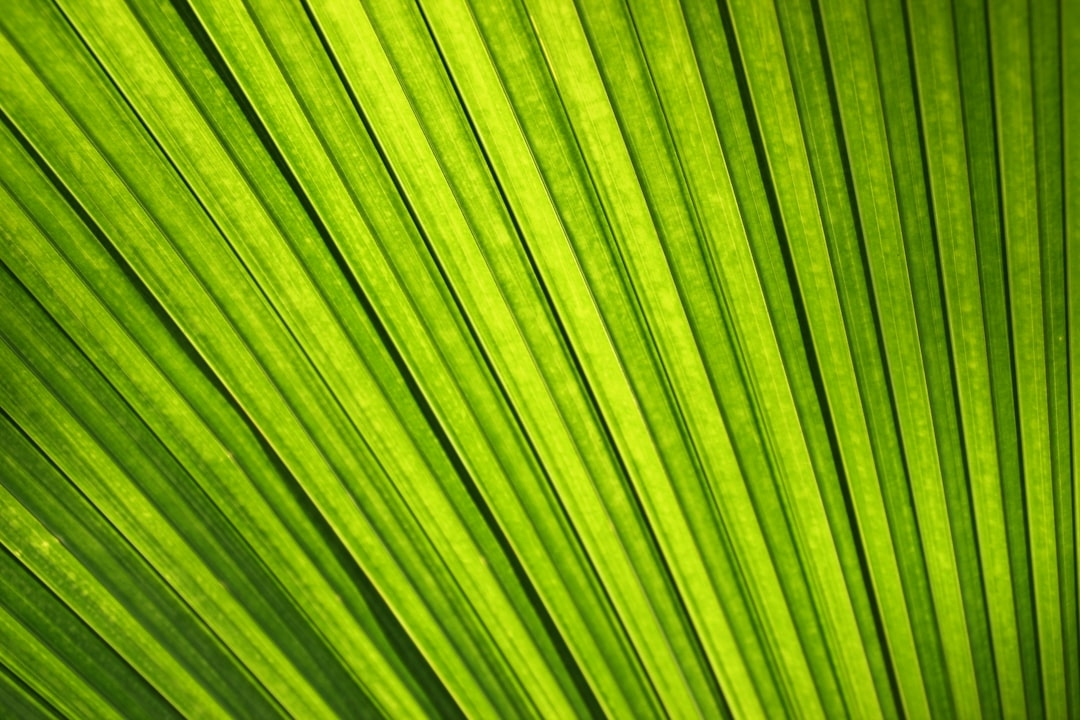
(539, 358)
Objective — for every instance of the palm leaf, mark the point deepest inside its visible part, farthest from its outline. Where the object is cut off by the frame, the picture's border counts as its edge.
(539, 358)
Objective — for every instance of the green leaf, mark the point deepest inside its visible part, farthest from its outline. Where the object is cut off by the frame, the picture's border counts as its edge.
(539, 358)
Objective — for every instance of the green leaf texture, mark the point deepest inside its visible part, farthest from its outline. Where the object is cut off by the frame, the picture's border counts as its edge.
(539, 359)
